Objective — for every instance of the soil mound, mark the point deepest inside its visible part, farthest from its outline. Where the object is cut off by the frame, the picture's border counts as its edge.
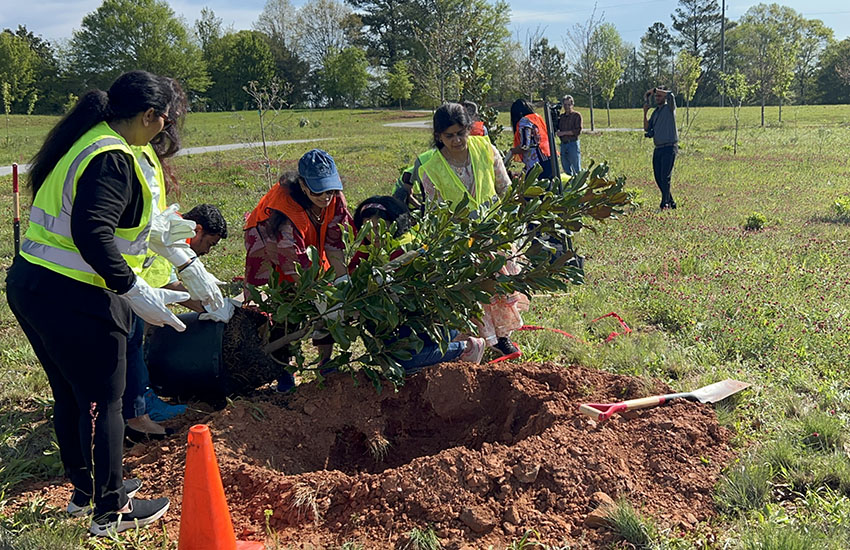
(480, 453)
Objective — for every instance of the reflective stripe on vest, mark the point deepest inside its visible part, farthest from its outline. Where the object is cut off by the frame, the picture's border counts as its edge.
(447, 182)
(48, 241)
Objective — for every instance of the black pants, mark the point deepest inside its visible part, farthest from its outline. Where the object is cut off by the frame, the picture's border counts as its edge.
(82, 348)
(663, 159)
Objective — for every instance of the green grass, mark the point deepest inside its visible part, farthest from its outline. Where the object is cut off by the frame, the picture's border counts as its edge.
(706, 299)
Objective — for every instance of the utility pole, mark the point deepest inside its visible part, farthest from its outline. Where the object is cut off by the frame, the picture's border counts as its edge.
(722, 44)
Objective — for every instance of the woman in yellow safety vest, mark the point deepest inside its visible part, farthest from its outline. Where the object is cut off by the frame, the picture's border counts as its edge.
(472, 166)
(74, 286)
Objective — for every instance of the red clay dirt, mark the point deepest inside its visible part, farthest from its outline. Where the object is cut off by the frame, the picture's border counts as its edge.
(479, 453)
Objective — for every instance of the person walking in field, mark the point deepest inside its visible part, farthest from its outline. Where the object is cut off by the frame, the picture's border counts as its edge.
(569, 129)
(661, 127)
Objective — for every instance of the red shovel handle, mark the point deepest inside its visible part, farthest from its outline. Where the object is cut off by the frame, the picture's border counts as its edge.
(604, 411)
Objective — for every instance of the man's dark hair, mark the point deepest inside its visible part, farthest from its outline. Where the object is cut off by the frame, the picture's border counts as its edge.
(210, 218)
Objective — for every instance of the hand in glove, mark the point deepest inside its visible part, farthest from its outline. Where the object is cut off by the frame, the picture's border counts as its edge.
(169, 227)
(200, 284)
(149, 304)
(222, 314)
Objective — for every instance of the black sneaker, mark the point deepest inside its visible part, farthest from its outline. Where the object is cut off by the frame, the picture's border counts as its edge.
(142, 512)
(80, 504)
(505, 346)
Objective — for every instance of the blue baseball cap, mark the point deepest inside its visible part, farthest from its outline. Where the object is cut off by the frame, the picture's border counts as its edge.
(319, 171)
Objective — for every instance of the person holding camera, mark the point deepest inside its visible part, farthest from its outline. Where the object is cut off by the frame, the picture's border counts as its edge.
(661, 127)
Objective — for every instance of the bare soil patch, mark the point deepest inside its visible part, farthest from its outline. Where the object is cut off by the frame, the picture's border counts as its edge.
(479, 453)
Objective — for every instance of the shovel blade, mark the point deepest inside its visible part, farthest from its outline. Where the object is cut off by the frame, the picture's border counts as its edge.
(719, 390)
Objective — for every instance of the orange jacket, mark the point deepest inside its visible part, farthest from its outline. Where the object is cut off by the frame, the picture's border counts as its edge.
(541, 129)
(278, 198)
(477, 129)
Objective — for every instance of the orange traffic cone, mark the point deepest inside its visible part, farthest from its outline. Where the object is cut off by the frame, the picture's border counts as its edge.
(205, 520)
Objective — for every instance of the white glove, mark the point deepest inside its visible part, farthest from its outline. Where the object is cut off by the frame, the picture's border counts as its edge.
(149, 304)
(222, 314)
(169, 228)
(200, 284)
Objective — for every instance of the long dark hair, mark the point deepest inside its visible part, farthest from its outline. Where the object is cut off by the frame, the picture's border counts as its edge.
(385, 207)
(447, 116)
(131, 93)
(166, 143)
(519, 109)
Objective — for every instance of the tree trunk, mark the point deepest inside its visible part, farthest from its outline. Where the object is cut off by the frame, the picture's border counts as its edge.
(735, 146)
(762, 110)
(591, 109)
(687, 112)
(399, 104)
(608, 108)
(780, 110)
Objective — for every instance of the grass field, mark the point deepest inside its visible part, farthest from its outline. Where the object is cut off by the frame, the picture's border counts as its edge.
(707, 298)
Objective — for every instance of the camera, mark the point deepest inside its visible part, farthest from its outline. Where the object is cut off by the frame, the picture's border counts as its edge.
(555, 108)
(650, 132)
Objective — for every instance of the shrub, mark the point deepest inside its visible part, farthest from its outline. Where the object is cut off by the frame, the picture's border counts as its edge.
(755, 222)
(841, 208)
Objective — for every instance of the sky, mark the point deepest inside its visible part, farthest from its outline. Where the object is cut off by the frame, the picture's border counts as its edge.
(56, 20)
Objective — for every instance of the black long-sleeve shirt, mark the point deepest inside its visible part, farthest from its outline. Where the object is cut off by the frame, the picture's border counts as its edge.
(109, 195)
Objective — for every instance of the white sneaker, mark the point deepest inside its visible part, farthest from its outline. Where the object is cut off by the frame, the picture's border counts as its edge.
(142, 512)
(80, 504)
(474, 351)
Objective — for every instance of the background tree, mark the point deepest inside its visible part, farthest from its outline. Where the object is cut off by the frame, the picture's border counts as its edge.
(833, 80)
(208, 28)
(609, 54)
(580, 41)
(549, 69)
(737, 89)
(399, 85)
(323, 27)
(388, 35)
(18, 66)
(698, 24)
(656, 47)
(278, 20)
(689, 68)
(766, 36)
(443, 36)
(610, 70)
(813, 40)
(344, 77)
(136, 34)
(236, 59)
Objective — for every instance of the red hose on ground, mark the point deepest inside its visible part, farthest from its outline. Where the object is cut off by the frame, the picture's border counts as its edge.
(614, 334)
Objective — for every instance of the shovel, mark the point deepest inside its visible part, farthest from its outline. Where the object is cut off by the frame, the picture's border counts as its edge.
(708, 394)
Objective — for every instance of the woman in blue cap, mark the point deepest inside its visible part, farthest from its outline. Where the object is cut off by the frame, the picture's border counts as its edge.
(304, 209)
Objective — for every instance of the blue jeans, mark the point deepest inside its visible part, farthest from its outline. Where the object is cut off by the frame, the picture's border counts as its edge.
(138, 378)
(663, 159)
(571, 157)
(431, 354)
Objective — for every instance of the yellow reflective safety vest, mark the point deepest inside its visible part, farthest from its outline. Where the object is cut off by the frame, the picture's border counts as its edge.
(449, 185)
(48, 240)
(156, 270)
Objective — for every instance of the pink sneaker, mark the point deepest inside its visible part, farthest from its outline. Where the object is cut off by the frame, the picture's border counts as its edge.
(474, 351)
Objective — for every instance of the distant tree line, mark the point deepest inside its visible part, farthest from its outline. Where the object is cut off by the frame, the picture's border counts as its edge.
(424, 52)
